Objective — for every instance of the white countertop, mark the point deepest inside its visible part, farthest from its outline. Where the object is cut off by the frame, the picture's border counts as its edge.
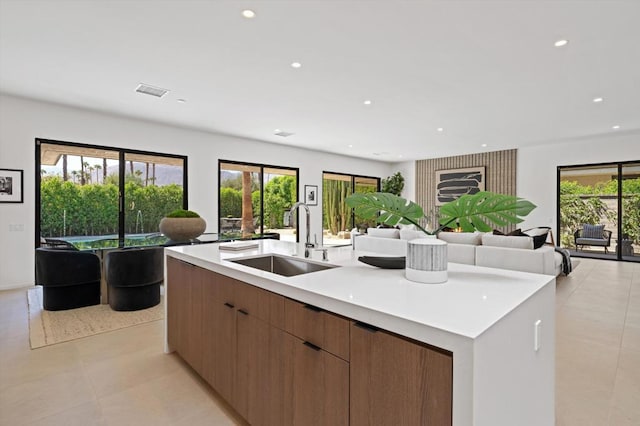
(470, 302)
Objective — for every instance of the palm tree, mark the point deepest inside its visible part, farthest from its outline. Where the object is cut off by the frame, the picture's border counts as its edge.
(83, 164)
(97, 168)
(65, 174)
(247, 226)
(104, 170)
(74, 174)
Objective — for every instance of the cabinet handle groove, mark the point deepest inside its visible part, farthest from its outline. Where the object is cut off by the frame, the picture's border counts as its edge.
(228, 305)
(243, 312)
(312, 308)
(367, 327)
(311, 345)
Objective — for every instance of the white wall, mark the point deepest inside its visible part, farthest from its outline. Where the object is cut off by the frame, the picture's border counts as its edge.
(537, 169)
(22, 121)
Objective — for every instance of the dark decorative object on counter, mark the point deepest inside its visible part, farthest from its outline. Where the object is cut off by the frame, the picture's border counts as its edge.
(384, 262)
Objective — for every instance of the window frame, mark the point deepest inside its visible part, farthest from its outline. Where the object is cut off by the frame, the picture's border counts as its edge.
(121, 179)
(262, 167)
(353, 190)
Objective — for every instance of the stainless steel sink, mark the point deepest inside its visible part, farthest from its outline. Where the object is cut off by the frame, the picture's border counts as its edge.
(282, 265)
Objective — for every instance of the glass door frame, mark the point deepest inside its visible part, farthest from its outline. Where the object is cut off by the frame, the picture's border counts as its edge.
(619, 165)
(353, 189)
(121, 180)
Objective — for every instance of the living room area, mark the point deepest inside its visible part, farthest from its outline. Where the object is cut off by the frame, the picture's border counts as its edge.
(472, 112)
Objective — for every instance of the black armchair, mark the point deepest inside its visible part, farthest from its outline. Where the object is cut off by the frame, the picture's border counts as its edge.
(69, 279)
(592, 235)
(134, 277)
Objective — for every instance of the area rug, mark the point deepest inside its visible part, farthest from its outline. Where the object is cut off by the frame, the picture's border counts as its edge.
(51, 327)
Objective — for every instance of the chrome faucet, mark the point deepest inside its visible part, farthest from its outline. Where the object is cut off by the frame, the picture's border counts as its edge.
(308, 244)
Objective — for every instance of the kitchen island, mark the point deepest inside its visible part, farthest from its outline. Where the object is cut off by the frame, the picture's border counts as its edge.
(479, 348)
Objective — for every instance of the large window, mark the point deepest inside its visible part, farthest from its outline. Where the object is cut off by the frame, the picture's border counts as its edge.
(86, 193)
(337, 218)
(255, 199)
(605, 195)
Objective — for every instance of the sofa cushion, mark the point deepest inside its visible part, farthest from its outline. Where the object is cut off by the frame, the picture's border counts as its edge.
(410, 234)
(507, 241)
(384, 232)
(473, 238)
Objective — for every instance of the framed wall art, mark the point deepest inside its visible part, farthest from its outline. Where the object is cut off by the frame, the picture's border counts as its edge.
(454, 183)
(311, 195)
(11, 186)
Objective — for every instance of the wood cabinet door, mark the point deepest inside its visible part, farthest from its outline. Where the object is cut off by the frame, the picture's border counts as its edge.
(317, 386)
(175, 285)
(185, 310)
(397, 381)
(260, 360)
(219, 333)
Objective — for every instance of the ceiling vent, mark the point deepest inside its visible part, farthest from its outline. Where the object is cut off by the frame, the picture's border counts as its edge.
(283, 133)
(150, 90)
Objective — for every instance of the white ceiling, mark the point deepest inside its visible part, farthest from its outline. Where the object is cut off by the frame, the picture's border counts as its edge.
(485, 71)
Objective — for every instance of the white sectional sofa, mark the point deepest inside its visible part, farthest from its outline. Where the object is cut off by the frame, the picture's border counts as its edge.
(472, 248)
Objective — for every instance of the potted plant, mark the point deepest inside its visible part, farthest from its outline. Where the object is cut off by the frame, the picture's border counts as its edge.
(426, 260)
(182, 225)
(394, 184)
(469, 212)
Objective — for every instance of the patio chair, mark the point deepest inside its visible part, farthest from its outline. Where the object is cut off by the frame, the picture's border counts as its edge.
(592, 235)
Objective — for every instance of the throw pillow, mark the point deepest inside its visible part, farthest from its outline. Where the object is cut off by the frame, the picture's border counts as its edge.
(515, 233)
(539, 235)
(592, 231)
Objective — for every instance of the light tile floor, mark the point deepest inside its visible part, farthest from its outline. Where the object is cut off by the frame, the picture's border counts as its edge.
(124, 378)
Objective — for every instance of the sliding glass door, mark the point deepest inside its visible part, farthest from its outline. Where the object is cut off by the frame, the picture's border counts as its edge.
(598, 210)
(254, 200)
(629, 245)
(92, 195)
(338, 218)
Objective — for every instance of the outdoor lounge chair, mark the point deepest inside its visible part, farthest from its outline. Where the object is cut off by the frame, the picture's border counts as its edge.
(592, 235)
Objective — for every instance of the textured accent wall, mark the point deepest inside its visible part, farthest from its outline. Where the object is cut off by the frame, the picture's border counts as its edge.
(500, 174)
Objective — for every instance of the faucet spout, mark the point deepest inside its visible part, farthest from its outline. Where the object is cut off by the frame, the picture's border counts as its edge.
(308, 244)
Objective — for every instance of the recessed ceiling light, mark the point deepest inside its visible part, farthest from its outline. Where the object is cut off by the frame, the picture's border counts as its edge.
(151, 90)
(616, 127)
(440, 129)
(598, 99)
(181, 100)
(484, 145)
(367, 102)
(283, 133)
(560, 43)
(399, 155)
(350, 146)
(248, 13)
(296, 64)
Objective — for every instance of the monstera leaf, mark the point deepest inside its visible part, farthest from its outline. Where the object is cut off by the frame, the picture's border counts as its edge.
(483, 209)
(392, 209)
(469, 212)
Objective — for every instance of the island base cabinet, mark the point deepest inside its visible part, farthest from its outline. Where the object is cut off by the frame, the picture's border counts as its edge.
(317, 387)
(260, 371)
(185, 310)
(219, 334)
(397, 381)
